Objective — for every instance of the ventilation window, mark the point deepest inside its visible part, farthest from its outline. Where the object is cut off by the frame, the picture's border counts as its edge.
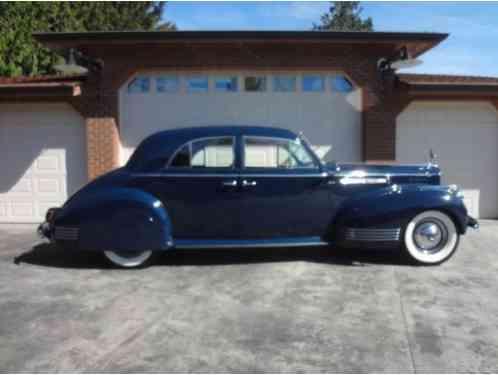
(340, 83)
(226, 84)
(284, 83)
(197, 84)
(139, 85)
(255, 83)
(313, 83)
(167, 84)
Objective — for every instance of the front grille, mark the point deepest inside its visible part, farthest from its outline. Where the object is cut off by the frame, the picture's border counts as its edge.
(66, 233)
(372, 234)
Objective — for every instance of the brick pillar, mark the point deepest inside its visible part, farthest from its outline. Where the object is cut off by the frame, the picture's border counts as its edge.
(383, 100)
(102, 145)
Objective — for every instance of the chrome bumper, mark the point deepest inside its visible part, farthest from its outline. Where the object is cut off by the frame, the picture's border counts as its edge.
(473, 223)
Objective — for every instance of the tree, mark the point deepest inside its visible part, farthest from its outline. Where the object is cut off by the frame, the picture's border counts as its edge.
(20, 54)
(344, 16)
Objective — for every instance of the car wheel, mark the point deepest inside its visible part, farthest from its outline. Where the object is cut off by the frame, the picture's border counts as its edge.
(431, 237)
(128, 259)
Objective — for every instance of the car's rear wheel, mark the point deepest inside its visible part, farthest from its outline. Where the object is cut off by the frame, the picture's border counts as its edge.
(431, 237)
(128, 259)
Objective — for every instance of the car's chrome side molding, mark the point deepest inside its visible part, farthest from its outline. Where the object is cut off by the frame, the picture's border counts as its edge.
(235, 243)
(231, 175)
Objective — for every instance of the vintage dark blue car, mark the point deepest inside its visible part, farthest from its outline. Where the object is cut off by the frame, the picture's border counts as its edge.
(247, 186)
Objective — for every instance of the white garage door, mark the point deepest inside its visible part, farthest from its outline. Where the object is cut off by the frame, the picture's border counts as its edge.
(464, 135)
(42, 159)
(326, 106)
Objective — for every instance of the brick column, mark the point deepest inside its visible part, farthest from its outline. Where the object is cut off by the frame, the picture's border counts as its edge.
(383, 100)
(102, 145)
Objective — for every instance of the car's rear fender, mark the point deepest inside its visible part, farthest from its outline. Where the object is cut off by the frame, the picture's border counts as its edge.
(117, 219)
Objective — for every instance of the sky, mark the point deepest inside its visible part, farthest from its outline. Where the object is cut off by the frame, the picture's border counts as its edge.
(471, 48)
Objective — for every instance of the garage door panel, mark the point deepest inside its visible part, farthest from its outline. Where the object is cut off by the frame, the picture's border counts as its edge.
(465, 138)
(43, 152)
(330, 120)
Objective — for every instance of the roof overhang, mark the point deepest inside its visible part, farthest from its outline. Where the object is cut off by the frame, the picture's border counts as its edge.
(436, 86)
(416, 43)
(39, 90)
(453, 90)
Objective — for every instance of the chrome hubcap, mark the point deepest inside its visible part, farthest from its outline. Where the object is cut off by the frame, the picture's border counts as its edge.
(429, 236)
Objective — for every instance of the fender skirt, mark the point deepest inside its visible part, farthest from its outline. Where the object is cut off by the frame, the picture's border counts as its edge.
(117, 219)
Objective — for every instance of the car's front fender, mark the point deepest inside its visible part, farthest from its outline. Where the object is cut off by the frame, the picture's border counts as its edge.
(394, 205)
(116, 219)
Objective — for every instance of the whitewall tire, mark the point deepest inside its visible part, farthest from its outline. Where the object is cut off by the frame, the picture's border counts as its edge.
(431, 237)
(128, 259)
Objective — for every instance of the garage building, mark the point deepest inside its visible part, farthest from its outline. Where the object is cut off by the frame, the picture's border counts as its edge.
(58, 132)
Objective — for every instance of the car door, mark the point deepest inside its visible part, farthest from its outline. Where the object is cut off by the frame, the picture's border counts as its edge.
(285, 192)
(199, 189)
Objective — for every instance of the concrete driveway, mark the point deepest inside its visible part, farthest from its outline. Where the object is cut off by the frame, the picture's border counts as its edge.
(248, 310)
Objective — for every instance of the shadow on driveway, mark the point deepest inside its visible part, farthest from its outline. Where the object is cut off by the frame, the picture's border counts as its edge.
(50, 256)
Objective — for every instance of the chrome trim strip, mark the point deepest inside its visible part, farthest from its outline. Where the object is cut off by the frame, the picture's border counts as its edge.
(364, 180)
(372, 234)
(168, 174)
(227, 175)
(264, 243)
(66, 233)
(324, 174)
(391, 174)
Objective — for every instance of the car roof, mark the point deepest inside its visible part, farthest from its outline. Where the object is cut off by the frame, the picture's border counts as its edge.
(163, 144)
(224, 130)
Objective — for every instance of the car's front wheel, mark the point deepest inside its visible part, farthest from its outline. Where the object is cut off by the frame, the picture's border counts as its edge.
(431, 237)
(128, 259)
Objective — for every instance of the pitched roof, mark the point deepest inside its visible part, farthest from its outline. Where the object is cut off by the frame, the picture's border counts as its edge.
(417, 43)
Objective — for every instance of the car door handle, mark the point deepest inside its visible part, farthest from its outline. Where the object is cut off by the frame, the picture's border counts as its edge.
(246, 183)
(229, 183)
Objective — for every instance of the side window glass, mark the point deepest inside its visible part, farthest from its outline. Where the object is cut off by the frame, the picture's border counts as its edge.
(262, 152)
(206, 153)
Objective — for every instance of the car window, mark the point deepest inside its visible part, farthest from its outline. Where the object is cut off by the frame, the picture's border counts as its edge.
(262, 152)
(205, 153)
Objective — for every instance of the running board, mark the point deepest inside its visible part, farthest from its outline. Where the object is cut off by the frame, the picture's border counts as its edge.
(235, 243)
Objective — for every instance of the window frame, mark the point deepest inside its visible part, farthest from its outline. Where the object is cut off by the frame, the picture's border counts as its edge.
(316, 163)
(168, 165)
